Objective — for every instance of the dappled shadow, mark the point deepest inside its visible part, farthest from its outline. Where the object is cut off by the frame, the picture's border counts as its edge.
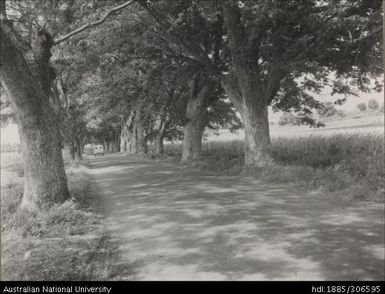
(180, 224)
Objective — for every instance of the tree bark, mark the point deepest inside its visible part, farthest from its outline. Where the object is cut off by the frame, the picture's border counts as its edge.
(257, 136)
(196, 119)
(123, 139)
(79, 147)
(126, 136)
(162, 124)
(71, 151)
(41, 47)
(159, 147)
(192, 140)
(254, 112)
(45, 180)
(133, 138)
(116, 142)
(74, 149)
(243, 86)
(140, 134)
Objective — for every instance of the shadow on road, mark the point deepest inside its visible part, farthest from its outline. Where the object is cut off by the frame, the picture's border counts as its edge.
(179, 224)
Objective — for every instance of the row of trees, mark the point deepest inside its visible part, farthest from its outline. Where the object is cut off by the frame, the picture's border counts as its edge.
(130, 73)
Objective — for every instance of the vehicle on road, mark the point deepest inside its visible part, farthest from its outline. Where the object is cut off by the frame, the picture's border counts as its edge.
(98, 150)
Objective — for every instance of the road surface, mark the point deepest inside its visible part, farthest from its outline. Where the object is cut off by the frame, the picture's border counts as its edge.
(174, 223)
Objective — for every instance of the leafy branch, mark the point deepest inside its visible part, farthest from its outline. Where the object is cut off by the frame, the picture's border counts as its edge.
(93, 24)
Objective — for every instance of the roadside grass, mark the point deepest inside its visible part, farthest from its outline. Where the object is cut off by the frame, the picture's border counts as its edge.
(56, 243)
(350, 166)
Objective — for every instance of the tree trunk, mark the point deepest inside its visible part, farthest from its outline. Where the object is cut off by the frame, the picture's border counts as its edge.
(159, 147)
(124, 139)
(74, 150)
(78, 154)
(243, 85)
(192, 140)
(116, 142)
(257, 136)
(196, 119)
(71, 151)
(131, 142)
(254, 112)
(133, 138)
(140, 134)
(45, 180)
(162, 124)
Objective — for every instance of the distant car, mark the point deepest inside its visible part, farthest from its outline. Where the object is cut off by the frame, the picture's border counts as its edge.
(98, 150)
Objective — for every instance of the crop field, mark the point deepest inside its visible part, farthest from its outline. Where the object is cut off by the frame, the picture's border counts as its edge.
(349, 163)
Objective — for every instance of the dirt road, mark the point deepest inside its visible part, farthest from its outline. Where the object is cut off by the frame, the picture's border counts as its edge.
(174, 223)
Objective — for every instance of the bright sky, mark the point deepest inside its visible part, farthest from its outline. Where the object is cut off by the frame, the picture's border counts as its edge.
(9, 134)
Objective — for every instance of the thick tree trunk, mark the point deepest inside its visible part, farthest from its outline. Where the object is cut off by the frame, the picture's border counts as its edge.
(254, 112)
(249, 94)
(133, 138)
(140, 134)
(123, 139)
(127, 142)
(161, 125)
(159, 147)
(44, 176)
(257, 136)
(116, 142)
(71, 151)
(74, 150)
(45, 181)
(192, 140)
(79, 147)
(196, 119)
(131, 147)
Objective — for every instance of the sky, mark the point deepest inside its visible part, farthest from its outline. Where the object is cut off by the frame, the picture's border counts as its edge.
(9, 133)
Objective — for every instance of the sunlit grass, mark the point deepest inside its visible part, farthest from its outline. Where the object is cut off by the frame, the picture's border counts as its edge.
(58, 240)
(353, 163)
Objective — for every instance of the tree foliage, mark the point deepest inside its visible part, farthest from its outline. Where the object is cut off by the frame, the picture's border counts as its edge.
(295, 46)
(144, 57)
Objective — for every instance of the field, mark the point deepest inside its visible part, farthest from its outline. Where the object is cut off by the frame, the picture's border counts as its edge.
(353, 122)
(349, 165)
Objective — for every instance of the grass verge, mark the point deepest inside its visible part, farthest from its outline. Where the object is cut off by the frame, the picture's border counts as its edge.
(58, 243)
(350, 166)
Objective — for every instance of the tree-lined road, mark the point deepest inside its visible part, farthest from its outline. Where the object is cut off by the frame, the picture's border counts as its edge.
(174, 223)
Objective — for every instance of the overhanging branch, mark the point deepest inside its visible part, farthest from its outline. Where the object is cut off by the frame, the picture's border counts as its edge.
(191, 48)
(93, 24)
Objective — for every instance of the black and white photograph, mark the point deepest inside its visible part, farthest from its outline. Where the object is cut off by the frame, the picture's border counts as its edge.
(192, 140)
